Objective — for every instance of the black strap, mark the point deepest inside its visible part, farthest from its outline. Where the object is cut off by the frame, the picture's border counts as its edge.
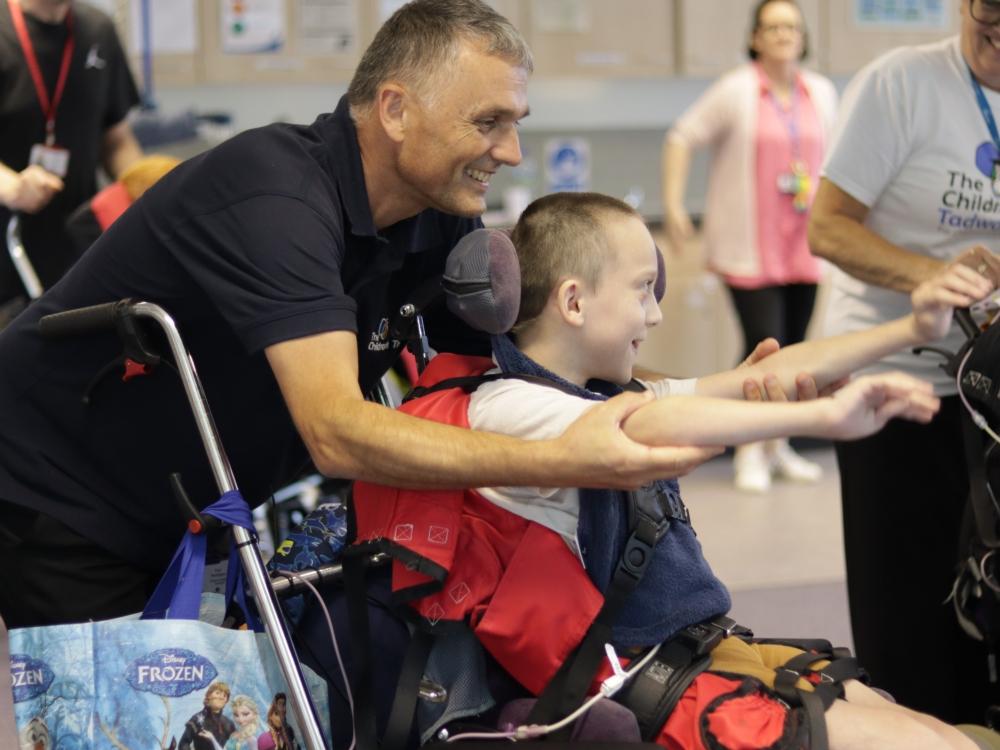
(655, 691)
(842, 667)
(357, 610)
(568, 687)
(404, 704)
(816, 712)
(983, 509)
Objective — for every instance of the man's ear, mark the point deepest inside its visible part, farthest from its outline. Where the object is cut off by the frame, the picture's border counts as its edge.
(392, 100)
(568, 299)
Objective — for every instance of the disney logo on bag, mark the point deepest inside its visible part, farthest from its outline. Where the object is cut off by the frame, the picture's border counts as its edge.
(170, 672)
(29, 677)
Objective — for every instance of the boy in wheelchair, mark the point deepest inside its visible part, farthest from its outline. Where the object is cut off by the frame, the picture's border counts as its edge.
(543, 577)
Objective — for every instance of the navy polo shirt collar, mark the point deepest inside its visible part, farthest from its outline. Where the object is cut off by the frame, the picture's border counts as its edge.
(339, 134)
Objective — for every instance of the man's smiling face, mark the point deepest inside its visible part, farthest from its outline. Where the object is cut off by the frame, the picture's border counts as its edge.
(456, 140)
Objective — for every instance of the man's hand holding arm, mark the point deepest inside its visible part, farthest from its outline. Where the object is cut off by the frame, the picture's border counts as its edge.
(352, 438)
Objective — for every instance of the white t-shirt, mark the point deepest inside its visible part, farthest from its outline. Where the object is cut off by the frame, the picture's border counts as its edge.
(906, 145)
(537, 412)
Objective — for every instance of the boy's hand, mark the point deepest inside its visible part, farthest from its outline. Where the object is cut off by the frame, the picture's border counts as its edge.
(862, 407)
(964, 281)
(599, 454)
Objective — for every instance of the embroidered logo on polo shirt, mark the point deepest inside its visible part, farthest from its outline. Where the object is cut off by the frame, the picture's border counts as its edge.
(380, 338)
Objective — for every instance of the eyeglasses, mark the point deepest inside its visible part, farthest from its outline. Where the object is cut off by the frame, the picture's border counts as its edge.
(985, 12)
(794, 28)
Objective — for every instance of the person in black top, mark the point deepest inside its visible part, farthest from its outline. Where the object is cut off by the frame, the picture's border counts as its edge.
(86, 106)
(284, 255)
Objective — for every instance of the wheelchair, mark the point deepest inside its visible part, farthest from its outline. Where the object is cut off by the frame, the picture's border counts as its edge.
(446, 683)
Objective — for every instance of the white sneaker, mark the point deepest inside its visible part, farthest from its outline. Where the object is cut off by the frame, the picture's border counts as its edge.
(752, 472)
(788, 464)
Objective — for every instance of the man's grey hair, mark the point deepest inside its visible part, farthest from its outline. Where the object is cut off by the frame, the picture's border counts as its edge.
(422, 39)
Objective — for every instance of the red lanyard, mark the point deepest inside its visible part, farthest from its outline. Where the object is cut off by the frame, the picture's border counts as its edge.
(48, 106)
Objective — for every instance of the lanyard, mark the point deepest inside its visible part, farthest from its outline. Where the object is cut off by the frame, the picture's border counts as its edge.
(48, 106)
(791, 119)
(991, 124)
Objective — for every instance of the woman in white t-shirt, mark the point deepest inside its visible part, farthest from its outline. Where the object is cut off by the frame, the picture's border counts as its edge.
(767, 123)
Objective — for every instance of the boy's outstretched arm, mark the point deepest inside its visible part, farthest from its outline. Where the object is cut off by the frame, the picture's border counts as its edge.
(859, 409)
(828, 360)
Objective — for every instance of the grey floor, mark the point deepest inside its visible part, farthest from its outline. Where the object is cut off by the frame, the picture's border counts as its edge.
(781, 554)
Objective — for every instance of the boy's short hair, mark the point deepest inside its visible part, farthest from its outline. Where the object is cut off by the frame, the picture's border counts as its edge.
(421, 40)
(560, 235)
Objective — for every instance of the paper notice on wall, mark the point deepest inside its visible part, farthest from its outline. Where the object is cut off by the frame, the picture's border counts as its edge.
(903, 14)
(562, 16)
(249, 27)
(326, 27)
(567, 164)
(172, 24)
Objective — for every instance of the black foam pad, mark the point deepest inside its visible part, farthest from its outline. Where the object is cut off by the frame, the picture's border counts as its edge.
(482, 281)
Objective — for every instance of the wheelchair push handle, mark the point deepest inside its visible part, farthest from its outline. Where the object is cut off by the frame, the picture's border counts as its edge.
(83, 320)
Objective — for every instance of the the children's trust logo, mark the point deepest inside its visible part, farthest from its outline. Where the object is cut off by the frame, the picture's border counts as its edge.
(988, 163)
(971, 198)
(380, 341)
(170, 672)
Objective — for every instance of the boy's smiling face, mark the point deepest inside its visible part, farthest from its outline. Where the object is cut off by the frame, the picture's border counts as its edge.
(620, 311)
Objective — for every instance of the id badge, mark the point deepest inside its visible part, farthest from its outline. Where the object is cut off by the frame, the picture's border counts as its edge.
(788, 183)
(50, 158)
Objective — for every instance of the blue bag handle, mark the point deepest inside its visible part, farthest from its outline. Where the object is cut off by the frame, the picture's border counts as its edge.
(178, 594)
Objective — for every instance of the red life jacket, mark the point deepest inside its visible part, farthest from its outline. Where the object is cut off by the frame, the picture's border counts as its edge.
(459, 557)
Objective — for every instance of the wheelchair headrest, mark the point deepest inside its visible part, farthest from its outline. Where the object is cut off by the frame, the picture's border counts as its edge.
(482, 280)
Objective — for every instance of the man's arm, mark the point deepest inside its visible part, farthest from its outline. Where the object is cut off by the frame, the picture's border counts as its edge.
(837, 233)
(355, 439)
(29, 190)
(119, 149)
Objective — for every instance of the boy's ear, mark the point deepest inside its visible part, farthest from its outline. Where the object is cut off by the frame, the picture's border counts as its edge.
(391, 103)
(568, 298)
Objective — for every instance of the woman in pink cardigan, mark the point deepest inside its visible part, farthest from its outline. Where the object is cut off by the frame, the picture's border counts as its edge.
(767, 124)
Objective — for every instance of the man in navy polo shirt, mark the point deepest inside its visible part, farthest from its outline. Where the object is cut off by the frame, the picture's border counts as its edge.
(283, 255)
